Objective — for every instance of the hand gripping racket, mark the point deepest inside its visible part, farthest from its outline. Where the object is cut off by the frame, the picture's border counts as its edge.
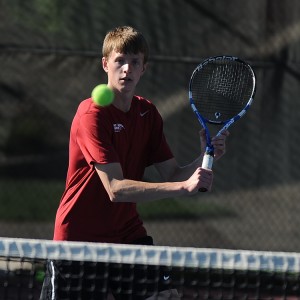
(221, 90)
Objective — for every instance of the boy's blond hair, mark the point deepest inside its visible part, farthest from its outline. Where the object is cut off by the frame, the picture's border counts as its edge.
(125, 39)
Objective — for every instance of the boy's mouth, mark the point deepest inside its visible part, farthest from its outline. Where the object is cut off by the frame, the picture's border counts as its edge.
(126, 79)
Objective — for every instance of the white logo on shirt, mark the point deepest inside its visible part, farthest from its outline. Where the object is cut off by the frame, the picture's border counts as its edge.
(118, 127)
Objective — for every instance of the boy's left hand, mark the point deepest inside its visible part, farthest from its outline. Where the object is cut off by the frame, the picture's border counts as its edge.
(219, 143)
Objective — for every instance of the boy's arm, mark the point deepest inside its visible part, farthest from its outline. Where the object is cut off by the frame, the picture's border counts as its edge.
(120, 189)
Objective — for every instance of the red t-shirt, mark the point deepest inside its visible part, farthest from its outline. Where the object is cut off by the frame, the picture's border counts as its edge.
(105, 135)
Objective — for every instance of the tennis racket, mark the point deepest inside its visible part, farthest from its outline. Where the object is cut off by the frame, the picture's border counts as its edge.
(221, 90)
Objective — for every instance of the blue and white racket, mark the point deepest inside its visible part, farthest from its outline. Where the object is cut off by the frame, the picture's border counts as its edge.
(221, 90)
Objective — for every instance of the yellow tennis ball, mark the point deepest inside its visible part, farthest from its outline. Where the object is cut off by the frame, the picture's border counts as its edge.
(102, 95)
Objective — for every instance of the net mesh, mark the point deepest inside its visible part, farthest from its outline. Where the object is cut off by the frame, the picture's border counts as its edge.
(98, 271)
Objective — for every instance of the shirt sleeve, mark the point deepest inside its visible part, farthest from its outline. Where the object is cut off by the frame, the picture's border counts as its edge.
(94, 139)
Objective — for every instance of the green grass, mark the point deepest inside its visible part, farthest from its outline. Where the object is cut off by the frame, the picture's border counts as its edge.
(182, 208)
(29, 200)
(37, 200)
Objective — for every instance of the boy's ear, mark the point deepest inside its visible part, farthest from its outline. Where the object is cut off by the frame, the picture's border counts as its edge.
(104, 64)
(145, 67)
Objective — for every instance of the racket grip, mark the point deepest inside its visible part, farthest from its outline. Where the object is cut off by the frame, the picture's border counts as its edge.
(207, 163)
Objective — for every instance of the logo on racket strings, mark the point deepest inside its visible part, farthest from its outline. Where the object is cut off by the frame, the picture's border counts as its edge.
(217, 115)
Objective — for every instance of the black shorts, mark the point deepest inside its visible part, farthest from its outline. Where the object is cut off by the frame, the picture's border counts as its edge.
(93, 280)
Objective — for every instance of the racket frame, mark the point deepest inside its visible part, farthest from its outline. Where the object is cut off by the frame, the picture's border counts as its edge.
(209, 151)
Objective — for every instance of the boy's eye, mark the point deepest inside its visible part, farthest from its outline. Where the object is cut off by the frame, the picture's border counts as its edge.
(120, 61)
(136, 62)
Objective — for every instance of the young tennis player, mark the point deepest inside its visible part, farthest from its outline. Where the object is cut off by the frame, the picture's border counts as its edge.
(110, 147)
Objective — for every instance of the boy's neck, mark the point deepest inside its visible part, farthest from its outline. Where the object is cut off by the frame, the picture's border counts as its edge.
(123, 102)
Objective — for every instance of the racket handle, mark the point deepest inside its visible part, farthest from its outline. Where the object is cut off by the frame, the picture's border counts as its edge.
(207, 163)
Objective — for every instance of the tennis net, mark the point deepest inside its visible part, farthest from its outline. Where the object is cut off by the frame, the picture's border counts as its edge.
(137, 272)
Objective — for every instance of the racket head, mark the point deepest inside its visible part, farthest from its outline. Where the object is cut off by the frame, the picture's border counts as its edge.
(221, 89)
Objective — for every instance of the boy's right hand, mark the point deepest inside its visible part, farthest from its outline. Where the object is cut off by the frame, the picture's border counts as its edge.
(201, 178)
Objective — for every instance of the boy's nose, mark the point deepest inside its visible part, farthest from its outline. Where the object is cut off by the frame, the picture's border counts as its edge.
(126, 67)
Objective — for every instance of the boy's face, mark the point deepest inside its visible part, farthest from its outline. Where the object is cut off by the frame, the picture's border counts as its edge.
(124, 70)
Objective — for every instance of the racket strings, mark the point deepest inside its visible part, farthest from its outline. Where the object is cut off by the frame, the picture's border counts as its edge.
(225, 80)
(221, 89)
